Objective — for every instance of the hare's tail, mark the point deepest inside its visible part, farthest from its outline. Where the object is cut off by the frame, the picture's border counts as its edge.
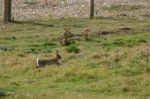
(37, 62)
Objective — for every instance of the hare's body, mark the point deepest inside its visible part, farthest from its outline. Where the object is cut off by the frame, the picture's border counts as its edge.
(44, 62)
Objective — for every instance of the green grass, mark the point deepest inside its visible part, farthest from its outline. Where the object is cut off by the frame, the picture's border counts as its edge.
(90, 73)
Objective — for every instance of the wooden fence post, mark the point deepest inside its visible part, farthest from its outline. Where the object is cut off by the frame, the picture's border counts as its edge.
(7, 10)
(92, 8)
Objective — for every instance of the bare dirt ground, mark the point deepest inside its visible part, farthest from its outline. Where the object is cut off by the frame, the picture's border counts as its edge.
(24, 9)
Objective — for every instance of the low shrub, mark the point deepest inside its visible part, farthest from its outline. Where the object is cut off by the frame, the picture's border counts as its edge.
(72, 49)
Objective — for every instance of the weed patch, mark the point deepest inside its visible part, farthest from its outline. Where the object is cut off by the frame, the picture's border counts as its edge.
(72, 49)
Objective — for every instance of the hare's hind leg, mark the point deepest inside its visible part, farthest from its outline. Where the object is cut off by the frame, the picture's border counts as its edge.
(58, 64)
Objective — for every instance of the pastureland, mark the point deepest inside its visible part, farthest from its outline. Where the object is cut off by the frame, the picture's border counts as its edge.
(107, 66)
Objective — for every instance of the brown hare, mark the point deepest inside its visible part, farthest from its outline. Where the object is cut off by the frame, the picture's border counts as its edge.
(44, 62)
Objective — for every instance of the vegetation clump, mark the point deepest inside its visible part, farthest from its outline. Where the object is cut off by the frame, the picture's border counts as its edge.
(4, 93)
(72, 49)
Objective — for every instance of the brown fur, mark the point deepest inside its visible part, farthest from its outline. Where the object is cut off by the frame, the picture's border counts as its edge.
(44, 62)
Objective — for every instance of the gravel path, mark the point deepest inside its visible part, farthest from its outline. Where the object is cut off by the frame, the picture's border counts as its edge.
(24, 9)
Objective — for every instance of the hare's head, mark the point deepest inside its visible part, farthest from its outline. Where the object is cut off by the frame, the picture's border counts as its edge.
(58, 56)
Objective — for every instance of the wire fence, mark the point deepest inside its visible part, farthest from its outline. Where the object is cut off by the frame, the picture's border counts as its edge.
(27, 9)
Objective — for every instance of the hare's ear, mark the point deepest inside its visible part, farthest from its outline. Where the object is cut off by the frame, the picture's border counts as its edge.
(69, 29)
(57, 52)
(65, 29)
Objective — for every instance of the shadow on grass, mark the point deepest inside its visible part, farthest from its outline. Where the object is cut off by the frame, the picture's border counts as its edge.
(31, 22)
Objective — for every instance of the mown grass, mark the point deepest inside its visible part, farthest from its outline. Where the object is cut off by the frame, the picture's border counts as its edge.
(90, 73)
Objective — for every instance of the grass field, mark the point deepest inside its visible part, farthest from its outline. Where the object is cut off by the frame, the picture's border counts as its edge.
(92, 73)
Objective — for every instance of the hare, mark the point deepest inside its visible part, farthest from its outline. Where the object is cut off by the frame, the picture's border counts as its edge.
(44, 62)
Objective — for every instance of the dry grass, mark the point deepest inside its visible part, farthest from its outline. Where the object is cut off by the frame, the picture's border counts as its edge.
(89, 74)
